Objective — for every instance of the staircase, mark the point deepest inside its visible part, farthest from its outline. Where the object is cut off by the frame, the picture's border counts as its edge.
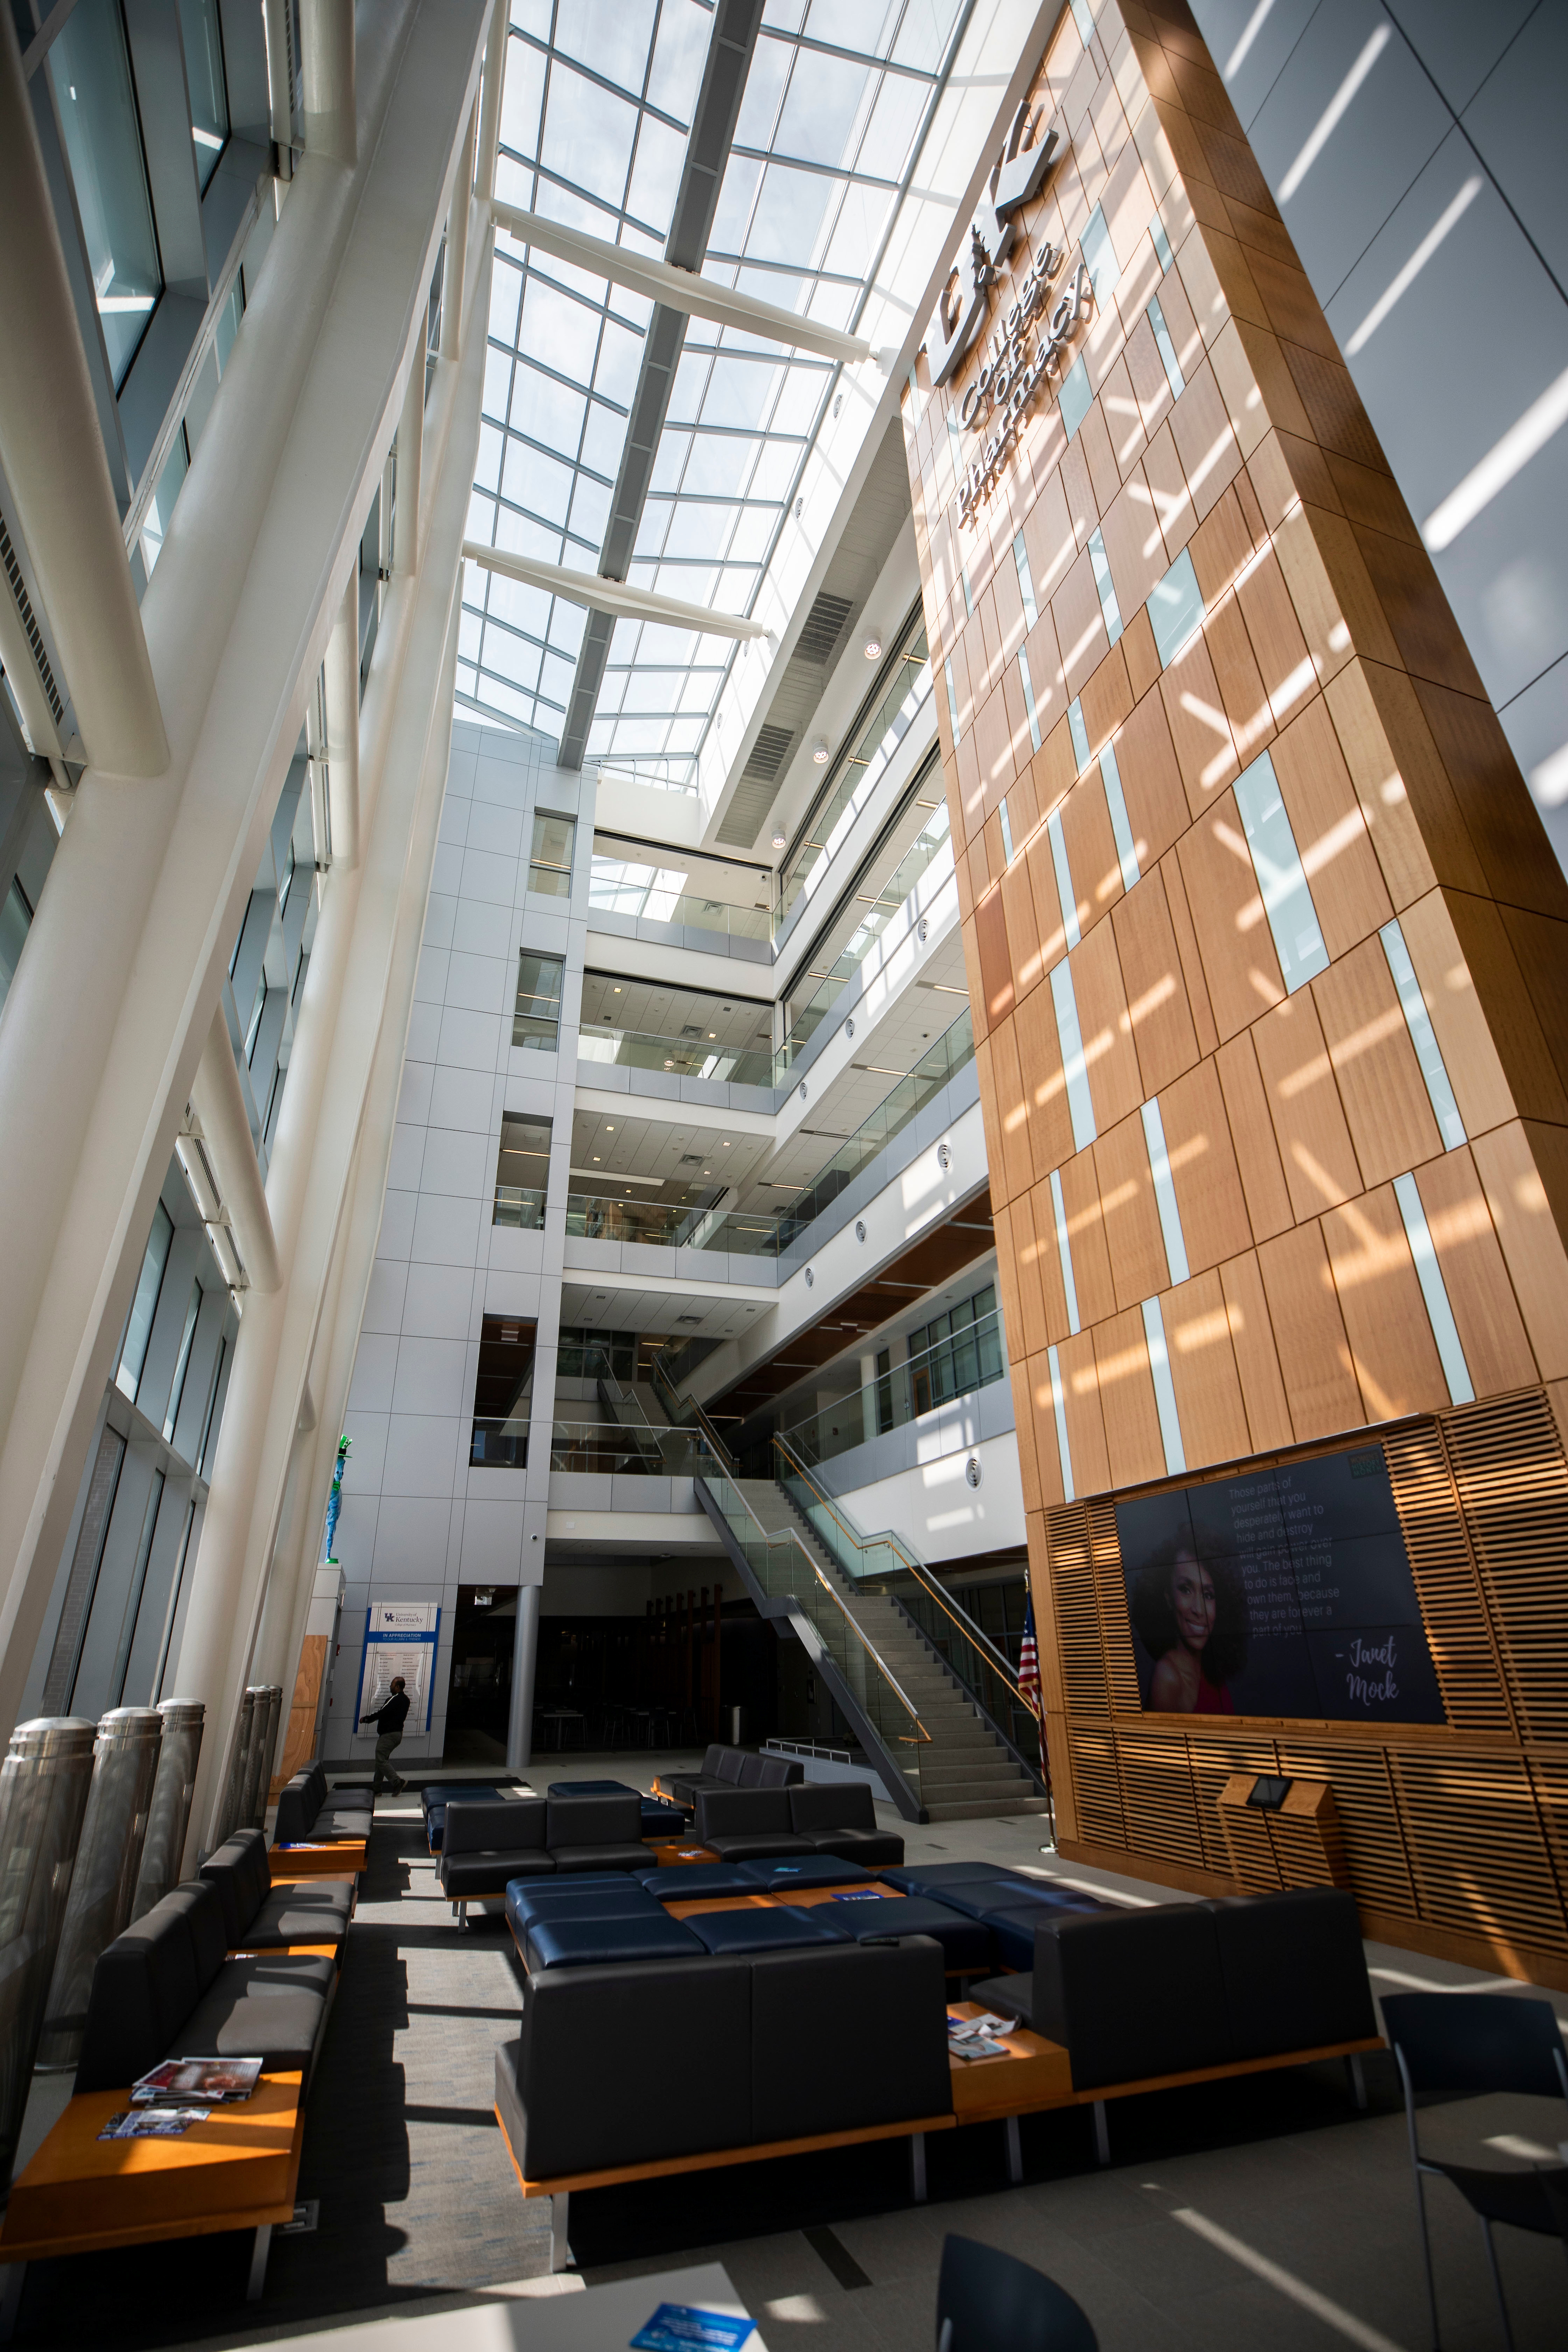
(963, 1773)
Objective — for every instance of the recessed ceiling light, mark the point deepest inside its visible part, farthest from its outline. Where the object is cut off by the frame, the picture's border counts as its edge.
(609, 1130)
(726, 1147)
(712, 1033)
(819, 750)
(873, 646)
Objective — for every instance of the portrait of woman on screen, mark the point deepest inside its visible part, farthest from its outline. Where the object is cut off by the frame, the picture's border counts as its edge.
(1191, 1617)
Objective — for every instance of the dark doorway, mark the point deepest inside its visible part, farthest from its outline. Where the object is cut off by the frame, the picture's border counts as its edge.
(479, 1695)
(502, 1390)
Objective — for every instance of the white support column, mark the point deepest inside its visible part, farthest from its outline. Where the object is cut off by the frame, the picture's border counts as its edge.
(348, 999)
(343, 700)
(457, 248)
(218, 1103)
(112, 1001)
(407, 538)
(490, 110)
(53, 453)
(327, 65)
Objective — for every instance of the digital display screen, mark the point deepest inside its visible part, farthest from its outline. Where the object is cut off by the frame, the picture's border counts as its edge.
(1285, 1592)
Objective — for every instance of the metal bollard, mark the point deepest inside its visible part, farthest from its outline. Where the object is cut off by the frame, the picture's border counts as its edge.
(255, 1759)
(44, 1784)
(169, 1814)
(108, 1859)
(238, 1763)
(265, 1748)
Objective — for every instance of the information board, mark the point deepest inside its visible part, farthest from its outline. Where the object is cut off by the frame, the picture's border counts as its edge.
(1285, 1592)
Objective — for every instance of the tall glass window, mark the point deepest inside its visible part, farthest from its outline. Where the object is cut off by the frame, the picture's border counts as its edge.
(144, 1306)
(183, 1360)
(536, 1021)
(204, 79)
(550, 863)
(90, 69)
(16, 922)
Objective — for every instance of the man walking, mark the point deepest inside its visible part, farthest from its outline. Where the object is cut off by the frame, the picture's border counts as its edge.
(389, 1721)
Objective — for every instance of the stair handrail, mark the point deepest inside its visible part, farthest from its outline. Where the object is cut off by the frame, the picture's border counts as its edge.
(793, 1535)
(917, 1568)
(675, 1403)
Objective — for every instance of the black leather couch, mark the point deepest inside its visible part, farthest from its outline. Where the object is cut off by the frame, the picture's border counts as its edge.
(488, 1844)
(735, 1768)
(1184, 1986)
(308, 1809)
(724, 2053)
(262, 1917)
(833, 1817)
(167, 1989)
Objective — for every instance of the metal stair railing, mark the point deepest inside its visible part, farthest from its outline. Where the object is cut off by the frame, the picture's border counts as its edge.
(984, 1671)
(780, 1565)
(685, 1412)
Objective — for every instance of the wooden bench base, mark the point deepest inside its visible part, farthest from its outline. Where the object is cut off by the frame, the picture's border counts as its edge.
(340, 1858)
(238, 2168)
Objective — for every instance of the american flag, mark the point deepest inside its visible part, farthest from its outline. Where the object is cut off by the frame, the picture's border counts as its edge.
(1029, 1665)
(1029, 1686)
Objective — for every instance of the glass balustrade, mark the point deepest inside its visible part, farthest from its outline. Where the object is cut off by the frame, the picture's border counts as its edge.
(905, 689)
(686, 1058)
(930, 1378)
(499, 1445)
(515, 1205)
(602, 1449)
(809, 1008)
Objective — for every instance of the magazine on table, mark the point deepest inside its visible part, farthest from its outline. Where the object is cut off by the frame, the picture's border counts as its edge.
(207, 2082)
(152, 2123)
(980, 2037)
(683, 2327)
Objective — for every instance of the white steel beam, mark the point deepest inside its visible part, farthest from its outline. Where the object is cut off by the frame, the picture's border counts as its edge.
(327, 68)
(219, 1105)
(52, 448)
(114, 999)
(680, 290)
(616, 596)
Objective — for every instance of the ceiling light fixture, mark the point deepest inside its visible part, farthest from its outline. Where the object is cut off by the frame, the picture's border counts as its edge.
(819, 750)
(779, 836)
(873, 646)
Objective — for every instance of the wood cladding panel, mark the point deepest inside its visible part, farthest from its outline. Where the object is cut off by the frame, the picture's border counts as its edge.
(1096, 1786)
(1458, 1633)
(1478, 1856)
(1512, 1485)
(1110, 1587)
(1157, 1797)
(1323, 615)
(1077, 1604)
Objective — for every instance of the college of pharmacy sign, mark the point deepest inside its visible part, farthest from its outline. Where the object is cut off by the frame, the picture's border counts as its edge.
(1014, 372)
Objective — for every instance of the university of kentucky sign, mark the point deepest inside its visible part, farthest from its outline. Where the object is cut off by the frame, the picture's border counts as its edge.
(1014, 369)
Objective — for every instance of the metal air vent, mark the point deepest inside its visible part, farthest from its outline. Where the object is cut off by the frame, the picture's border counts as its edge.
(822, 627)
(13, 571)
(768, 751)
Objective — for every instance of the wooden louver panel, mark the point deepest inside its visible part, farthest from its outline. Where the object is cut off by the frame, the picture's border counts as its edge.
(1363, 1797)
(1512, 1485)
(1157, 1797)
(1446, 1583)
(1110, 1588)
(1212, 1763)
(1077, 1612)
(1477, 1852)
(1096, 1791)
(1549, 1781)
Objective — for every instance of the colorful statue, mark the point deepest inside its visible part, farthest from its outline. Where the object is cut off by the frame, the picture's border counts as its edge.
(335, 1499)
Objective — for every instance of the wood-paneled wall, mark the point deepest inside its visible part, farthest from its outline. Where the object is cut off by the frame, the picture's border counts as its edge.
(1287, 1116)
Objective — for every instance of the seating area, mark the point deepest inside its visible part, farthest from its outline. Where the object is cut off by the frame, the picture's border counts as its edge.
(735, 1768)
(836, 1817)
(310, 1812)
(867, 1971)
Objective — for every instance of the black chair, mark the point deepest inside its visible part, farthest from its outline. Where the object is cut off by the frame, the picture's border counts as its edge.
(1478, 2042)
(990, 2301)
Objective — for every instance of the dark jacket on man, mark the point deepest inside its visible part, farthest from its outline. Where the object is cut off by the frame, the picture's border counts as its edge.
(390, 1719)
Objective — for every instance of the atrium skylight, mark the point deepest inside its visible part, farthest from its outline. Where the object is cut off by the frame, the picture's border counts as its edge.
(597, 102)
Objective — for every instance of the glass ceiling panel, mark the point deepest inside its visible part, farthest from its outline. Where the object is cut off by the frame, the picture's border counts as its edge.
(595, 110)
